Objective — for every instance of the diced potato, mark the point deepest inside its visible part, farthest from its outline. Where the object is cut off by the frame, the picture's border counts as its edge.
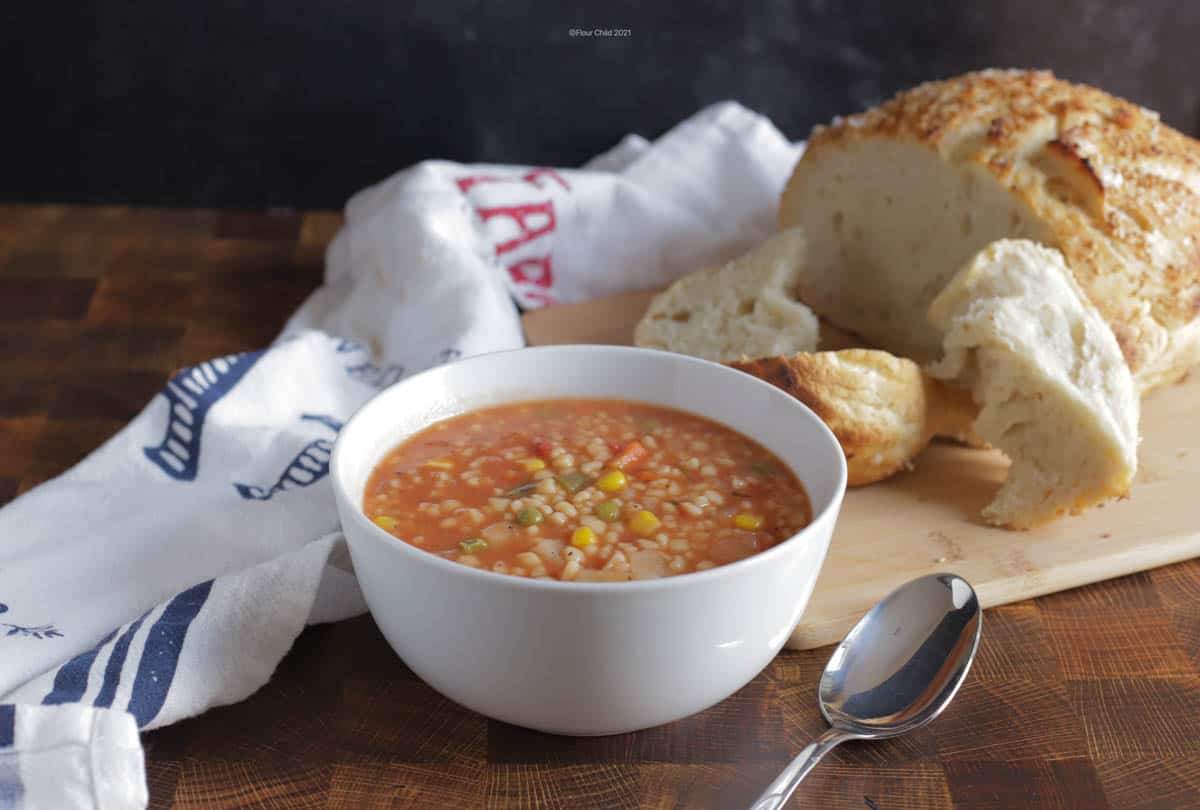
(647, 564)
(732, 545)
(497, 534)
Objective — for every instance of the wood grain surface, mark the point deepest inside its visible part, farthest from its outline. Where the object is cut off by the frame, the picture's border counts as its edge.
(1088, 698)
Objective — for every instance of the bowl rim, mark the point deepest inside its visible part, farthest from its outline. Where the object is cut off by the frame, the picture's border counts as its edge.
(827, 513)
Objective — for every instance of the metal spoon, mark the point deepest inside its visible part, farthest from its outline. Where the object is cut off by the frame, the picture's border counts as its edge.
(894, 672)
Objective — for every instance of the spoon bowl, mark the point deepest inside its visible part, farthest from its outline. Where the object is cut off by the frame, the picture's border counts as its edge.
(895, 671)
(898, 668)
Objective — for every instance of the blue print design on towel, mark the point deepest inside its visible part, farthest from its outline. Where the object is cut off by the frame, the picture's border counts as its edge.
(152, 674)
(362, 369)
(40, 632)
(191, 394)
(160, 655)
(309, 466)
(71, 680)
(8, 725)
(11, 789)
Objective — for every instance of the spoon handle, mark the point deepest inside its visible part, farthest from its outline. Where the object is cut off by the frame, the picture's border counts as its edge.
(778, 792)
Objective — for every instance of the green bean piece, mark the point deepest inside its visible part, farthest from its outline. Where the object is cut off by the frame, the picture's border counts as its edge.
(521, 491)
(608, 511)
(530, 516)
(473, 545)
(573, 480)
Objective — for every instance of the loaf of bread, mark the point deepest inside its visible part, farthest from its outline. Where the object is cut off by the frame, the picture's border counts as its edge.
(883, 409)
(895, 200)
(1055, 394)
(1020, 254)
(745, 309)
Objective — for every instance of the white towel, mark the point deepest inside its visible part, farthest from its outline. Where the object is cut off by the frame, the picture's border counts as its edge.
(172, 569)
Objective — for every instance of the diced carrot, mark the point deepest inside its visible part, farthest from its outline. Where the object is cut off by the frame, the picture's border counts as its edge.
(647, 475)
(633, 454)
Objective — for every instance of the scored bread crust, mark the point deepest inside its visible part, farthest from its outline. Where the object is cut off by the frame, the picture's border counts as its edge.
(883, 409)
(1098, 178)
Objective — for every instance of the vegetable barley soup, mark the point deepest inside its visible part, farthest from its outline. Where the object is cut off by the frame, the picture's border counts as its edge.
(589, 490)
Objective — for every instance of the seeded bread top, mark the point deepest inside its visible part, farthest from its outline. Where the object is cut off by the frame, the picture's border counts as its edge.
(1118, 192)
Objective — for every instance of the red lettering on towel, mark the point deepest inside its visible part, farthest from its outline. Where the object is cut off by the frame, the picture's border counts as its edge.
(531, 278)
(533, 176)
(522, 214)
(535, 299)
(532, 271)
(464, 183)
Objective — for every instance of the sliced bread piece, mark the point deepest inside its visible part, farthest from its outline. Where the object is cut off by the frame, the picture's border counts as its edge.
(1055, 393)
(883, 409)
(743, 310)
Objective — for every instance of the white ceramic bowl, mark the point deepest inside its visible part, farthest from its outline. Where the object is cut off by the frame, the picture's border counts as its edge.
(587, 658)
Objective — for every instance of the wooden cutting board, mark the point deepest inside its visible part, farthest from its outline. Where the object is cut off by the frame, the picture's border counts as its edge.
(927, 520)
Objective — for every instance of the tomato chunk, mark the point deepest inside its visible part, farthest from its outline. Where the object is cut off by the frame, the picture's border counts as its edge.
(632, 455)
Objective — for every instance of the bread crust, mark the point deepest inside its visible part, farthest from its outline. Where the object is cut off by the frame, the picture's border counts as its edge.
(1117, 191)
(883, 409)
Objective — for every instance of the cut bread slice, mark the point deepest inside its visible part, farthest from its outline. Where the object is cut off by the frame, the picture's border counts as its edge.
(1055, 393)
(743, 310)
(883, 409)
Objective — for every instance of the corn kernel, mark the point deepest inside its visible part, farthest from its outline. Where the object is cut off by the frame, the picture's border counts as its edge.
(440, 464)
(613, 481)
(644, 523)
(532, 464)
(386, 523)
(747, 521)
(583, 537)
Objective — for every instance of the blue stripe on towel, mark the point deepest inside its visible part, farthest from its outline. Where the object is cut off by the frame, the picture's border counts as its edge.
(116, 663)
(71, 680)
(11, 789)
(160, 656)
(8, 725)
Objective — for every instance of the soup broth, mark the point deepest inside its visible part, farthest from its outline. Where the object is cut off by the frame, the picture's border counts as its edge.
(585, 490)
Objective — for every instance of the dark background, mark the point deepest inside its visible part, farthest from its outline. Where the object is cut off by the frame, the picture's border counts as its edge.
(300, 103)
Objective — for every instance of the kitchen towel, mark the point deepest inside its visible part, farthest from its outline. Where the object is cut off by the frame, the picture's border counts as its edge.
(172, 569)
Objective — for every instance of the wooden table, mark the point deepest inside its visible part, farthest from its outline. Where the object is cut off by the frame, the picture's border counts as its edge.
(1087, 699)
